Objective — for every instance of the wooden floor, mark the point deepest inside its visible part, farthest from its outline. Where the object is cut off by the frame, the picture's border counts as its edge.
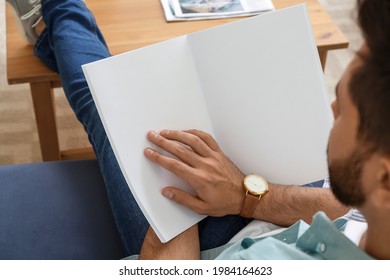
(18, 135)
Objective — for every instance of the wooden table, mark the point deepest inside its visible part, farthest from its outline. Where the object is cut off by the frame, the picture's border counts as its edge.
(126, 25)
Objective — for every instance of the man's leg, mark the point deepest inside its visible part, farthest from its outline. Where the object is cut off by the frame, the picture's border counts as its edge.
(71, 39)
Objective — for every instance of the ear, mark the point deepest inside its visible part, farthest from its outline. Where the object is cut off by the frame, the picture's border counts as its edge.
(384, 173)
(383, 180)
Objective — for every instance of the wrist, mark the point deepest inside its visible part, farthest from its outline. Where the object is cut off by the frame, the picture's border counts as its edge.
(238, 196)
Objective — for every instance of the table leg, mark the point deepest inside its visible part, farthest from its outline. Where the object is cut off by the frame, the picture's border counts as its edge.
(43, 102)
(323, 56)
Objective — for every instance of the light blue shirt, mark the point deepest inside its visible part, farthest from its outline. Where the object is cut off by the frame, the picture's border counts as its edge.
(323, 239)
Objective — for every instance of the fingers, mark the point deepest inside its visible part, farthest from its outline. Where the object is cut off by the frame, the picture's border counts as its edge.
(206, 138)
(175, 166)
(175, 148)
(197, 156)
(200, 142)
(185, 199)
(195, 142)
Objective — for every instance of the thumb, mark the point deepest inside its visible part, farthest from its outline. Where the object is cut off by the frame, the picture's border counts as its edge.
(183, 198)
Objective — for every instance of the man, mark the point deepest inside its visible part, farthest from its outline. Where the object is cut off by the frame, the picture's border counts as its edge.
(358, 152)
(67, 38)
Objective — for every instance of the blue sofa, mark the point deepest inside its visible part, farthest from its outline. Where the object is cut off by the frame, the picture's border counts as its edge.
(56, 210)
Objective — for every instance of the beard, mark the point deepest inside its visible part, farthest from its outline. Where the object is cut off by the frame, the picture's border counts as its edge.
(346, 178)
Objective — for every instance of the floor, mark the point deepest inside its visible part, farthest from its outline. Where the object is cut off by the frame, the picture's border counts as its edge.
(18, 135)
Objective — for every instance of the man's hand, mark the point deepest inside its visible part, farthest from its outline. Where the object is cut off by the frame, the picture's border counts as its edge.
(202, 164)
(183, 247)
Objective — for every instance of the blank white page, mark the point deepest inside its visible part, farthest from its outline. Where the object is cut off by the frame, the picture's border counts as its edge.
(152, 88)
(263, 84)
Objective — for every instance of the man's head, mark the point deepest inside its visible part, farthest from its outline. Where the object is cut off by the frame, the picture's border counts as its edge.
(359, 145)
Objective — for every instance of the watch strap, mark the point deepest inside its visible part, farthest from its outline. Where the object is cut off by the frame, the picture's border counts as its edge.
(250, 204)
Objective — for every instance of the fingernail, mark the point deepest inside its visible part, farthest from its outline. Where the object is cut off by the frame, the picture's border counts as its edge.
(168, 194)
(148, 152)
(164, 132)
(152, 134)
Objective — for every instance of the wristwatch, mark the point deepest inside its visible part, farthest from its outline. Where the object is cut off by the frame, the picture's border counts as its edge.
(255, 187)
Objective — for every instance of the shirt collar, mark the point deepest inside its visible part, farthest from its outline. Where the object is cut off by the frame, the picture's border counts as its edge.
(324, 239)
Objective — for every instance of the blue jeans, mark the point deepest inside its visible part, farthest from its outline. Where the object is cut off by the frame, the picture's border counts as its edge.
(72, 38)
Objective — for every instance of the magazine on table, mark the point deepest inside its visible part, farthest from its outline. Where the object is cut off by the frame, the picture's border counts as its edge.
(181, 10)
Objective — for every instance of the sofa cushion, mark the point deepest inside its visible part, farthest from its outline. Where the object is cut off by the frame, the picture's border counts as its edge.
(56, 210)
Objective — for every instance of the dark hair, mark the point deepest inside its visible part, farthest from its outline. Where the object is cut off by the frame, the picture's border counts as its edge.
(370, 84)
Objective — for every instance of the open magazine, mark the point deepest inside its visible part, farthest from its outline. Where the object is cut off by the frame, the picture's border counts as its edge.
(258, 89)
(180, 10)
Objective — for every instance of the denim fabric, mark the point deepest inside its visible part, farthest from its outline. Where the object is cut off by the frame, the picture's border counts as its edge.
(71, 39)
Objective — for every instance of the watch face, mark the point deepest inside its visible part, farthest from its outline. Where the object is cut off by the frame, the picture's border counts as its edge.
(256, 184)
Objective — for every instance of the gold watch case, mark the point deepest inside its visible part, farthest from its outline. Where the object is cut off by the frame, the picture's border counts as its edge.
(255, 185)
